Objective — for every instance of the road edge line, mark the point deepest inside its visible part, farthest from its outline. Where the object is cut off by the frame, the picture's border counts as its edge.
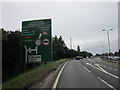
(58, 77)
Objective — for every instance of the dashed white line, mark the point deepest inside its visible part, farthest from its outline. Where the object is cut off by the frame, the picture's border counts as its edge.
(86, 69)
(101, 65)
(106, 83)
(115, 69)
(104, 66)
(109, 67)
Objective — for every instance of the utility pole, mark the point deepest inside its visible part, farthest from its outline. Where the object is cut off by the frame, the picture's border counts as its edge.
(70, 43)
(108, 39)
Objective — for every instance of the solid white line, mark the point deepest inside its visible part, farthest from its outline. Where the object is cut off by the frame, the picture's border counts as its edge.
(86, 69)
(58, 77)
(107, 72)
(101, 69)
(106, 83)
(108, 67)
(93, 66)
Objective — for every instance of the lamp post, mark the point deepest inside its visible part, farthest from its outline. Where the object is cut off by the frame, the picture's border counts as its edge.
(102, 45)
(71, 43)
(108, 39)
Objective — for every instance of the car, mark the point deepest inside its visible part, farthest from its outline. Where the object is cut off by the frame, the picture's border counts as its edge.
(79, 57)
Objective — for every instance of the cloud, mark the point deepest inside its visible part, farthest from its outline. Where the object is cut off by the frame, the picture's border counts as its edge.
(81, 21)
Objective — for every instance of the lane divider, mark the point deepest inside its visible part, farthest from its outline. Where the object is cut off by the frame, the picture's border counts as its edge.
(109, 67)
(58, 77)
(106, 83)
(104, 66)
(115, 69)
(86, 69)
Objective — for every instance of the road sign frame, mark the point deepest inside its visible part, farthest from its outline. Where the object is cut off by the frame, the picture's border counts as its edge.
(32, 31)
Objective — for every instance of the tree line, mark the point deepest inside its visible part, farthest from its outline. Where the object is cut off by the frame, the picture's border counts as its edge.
(117, 53)
(11, 53)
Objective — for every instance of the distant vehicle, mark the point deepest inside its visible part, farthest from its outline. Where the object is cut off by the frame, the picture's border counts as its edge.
(115, 58)
(79, 57)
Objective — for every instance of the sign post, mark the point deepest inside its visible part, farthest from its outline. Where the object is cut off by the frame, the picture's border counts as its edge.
(36, 41)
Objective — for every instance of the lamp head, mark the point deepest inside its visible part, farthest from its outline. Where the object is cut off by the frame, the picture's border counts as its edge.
(103, 30)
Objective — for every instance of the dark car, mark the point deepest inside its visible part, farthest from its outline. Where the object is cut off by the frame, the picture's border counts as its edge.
(79, 57)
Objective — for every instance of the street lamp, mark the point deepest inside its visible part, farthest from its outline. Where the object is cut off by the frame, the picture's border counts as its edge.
(102, 45)
(108, 38)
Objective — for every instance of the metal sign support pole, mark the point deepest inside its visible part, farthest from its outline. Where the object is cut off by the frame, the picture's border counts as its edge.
(25, 67)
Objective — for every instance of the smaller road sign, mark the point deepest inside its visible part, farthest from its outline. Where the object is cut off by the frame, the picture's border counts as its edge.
(38, 42)
(45, 42)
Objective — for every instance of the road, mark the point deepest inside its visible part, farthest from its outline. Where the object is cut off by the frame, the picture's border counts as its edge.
(89, 73)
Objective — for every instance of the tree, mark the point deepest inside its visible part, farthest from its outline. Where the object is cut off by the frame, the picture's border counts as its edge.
(78, 48)
(55, 45)
(119, 53)
(60, 50)
(111, 54)
(86, 54)
(116, 54)
(72, 53)
(97, 55)
(11, 45)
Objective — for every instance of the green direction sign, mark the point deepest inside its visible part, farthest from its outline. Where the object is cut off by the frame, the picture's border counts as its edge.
(36, 40)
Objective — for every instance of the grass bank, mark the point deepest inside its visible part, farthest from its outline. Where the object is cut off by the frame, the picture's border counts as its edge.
(24, 80)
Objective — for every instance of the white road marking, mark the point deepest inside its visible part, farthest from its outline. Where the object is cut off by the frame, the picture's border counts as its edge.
(92, 66)
(104, 66)
(115, 69)
(101, 69)
(109, 67)
(87, 69)
(107, 72)
(100, 65)
(106, 83)
(58, 77)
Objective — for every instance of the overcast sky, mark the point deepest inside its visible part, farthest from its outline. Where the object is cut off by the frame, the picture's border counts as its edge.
(82, 21)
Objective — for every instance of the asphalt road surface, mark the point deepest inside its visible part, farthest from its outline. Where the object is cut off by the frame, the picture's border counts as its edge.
(89, 73)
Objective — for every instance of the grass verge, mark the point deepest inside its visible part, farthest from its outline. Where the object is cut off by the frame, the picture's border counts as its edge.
(26, 79)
